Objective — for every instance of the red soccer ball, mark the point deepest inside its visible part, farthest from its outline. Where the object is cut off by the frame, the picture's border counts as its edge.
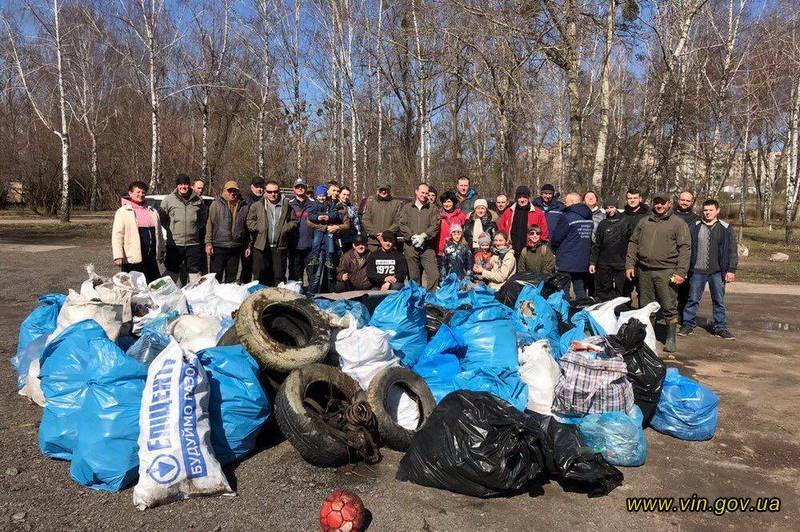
(342, 511)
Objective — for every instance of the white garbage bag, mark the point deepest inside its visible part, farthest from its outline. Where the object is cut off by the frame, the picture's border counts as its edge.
(402, 407)
(135, 281)
(176, 460)
(87, 289)
(33, 386)
(166, 294)
(294, 286)
(364, 352)
(207, 297)
(77, 308)
(603, 313)
(643, 314)
(195, 333)
(539, 370)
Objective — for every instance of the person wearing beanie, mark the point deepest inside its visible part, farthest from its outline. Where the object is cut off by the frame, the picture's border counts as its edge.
(387, 268)
(480, 221)
(547, 203)
(521, 215)
(381, 213)
(450, 215)
(226, 233)
(182, 214)
(607, 261)
(329, 220)
(483, 257)
(536, 257)
(457, 256)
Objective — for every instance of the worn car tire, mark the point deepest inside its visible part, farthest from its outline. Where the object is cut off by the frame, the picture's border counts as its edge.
(394, 435)
(307, 433)
(282, 330)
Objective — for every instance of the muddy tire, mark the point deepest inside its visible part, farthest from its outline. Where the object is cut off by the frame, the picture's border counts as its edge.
(301, 426)
(394, 435)
(282, 330)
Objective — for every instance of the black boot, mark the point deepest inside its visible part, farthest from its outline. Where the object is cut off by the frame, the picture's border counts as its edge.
(672, 331)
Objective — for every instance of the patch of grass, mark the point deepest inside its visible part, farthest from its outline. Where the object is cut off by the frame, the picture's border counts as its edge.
(57, 232)
(762, 243)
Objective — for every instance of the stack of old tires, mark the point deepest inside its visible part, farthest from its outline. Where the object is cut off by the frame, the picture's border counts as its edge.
(291, 338)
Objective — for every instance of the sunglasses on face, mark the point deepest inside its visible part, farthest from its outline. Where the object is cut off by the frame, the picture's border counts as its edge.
(272, 191)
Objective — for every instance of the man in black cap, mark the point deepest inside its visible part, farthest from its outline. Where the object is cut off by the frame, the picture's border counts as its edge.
(549, 205)
(254, 195)
(609, 249)
(659, 252)
(351, 274)
(300, 234)
(387, 268)
(381, 213)
(182, 214)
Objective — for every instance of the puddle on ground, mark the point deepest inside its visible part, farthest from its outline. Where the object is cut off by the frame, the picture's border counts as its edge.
(760, 325)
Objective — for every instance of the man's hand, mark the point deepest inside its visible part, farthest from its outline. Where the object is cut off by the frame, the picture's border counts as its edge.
(730, 277)
(248, 252)
(322, 218)
(477, 268)
(345, 276)
(385, 287)
(333, 228)
(592, 269)
(391, 279)
(209, 249)
(677, 279)
(118, 262)
(630, 273)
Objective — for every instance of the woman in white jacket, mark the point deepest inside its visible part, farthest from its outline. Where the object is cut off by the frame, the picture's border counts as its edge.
(136, 234)
(503, 263)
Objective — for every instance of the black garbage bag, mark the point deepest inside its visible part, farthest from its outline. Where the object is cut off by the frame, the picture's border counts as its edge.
(646, 371)
(570, 460)
(435, 317)
(476, 444)
(555, 282)
(509, 292)
(580, 303)
(479, 445)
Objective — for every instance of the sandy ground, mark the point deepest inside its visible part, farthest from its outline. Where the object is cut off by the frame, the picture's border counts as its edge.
(755, 452)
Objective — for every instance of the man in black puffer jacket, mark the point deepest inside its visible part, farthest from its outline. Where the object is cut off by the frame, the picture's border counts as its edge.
(610, 246)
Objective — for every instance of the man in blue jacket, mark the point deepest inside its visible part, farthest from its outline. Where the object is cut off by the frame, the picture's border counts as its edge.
(546, 200)
(571, 241)
(301, 235)
(714, 261)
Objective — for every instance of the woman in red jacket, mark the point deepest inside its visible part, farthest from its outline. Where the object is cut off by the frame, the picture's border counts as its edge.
(451, 215)
(519, 217)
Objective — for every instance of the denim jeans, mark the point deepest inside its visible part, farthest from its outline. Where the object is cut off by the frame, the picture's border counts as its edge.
(697, 284)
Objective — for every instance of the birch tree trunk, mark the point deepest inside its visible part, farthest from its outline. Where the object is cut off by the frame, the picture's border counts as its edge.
(605, 97)
(204, 141)
(92, 170)
(792, 188)
(64, 205)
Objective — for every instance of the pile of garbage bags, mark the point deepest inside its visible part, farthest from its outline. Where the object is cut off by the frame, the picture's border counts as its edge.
(487, 394)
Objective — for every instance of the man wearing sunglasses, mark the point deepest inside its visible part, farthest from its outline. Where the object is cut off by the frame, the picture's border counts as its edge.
(266, 220)
(658, 254)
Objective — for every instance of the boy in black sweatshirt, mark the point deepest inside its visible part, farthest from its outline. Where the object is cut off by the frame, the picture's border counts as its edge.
(387, 268)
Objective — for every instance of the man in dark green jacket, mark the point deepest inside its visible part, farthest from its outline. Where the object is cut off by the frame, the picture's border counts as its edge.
(419, 225)
(658, 252)
(183, 215)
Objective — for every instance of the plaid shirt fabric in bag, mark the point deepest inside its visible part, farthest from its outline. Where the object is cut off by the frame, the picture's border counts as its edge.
(592, 383)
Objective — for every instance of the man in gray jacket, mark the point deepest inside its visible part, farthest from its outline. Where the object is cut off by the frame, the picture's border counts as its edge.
(420, 224)
(266, 220)
(183, 215)
(381, 213)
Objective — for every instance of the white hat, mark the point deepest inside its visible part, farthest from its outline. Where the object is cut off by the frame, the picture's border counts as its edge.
(479, 202)
(456, 227)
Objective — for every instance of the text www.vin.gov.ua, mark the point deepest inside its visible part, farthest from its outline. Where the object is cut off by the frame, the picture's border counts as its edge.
(718, 506)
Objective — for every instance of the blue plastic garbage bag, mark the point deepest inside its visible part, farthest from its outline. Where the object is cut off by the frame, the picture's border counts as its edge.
(446, 296)
(238, 406)
(534, 317)
(617, 436)
(686, 409)
(559, 302)
(505, 384)
(439, 372)
(83, 362)
(404, 313)
(226, 324)
(159, 323)
(34, 332)
(444, 341)
(344, 306)
(488, 332)
(148, 346)
(106, 455)
(480, 294)
(256, 287)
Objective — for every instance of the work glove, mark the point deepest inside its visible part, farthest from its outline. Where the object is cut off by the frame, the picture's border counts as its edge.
(418, 240)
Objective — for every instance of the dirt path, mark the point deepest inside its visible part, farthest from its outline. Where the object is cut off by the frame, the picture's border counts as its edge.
(755, 453)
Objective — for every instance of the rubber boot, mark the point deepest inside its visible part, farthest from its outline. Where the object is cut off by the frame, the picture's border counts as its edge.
(672, 332)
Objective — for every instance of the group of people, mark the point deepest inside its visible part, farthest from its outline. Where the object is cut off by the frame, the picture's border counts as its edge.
(608, 250)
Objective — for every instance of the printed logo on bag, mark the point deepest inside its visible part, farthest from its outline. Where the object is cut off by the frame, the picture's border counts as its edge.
(193, 458)
(158, 437)
(164, 469)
